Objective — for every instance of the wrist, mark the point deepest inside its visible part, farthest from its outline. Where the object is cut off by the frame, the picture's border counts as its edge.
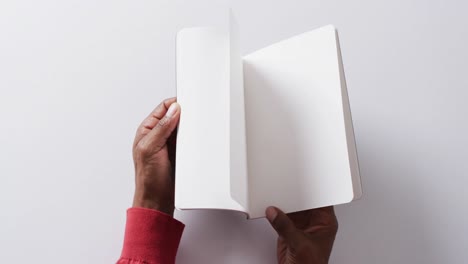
(142, 202)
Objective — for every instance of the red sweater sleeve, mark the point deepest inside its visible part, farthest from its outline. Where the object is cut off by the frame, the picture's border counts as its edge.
(151, 237)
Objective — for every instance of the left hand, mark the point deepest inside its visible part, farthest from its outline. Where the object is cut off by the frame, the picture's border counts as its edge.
(154, 158)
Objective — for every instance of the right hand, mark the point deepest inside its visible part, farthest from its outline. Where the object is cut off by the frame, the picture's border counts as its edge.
(304, 237)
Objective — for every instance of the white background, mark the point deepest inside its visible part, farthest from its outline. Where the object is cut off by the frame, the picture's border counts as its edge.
(77, 77)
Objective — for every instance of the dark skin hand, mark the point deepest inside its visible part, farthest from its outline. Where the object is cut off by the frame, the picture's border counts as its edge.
(304, 237)
(154, 158)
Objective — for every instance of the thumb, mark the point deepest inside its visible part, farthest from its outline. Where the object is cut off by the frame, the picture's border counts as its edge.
(157, 137)
(282, 224)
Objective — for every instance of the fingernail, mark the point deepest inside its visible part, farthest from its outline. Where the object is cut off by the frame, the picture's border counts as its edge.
(172, 109)
(271, 213)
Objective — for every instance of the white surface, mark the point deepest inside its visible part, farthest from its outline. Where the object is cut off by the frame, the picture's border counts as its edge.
(298, 155)
(77, 77)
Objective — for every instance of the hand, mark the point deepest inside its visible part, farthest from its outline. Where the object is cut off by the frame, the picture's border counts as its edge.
(154, 158)
(304, 237)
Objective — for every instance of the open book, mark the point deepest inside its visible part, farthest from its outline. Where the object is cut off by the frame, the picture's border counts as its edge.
(270, 128)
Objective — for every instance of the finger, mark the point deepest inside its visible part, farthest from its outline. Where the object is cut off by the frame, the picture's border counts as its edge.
(318, 217)
(171, 150)
(282, 224)
(153, 118)
(157, 137)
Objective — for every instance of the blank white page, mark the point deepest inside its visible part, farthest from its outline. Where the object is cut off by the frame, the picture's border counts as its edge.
(238, 173)
(296, 138)
(203, 140)
(352, 152)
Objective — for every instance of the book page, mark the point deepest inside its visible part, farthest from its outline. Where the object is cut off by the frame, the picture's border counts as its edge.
(352, 152)
(211, 165)
(203, 140)
(296, 137)
(238, 173)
